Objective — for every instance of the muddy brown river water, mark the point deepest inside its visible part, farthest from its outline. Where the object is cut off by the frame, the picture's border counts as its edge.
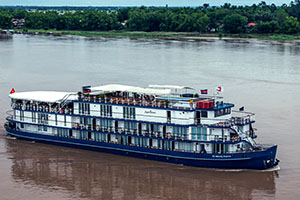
(263, 76)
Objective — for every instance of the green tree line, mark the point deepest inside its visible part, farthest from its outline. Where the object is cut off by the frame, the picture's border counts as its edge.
(258, 18)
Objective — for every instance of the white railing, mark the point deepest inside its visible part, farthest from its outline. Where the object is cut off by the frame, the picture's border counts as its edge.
(241, 117)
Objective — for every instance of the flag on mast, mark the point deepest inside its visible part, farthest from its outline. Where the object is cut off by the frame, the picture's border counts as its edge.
(205, 91)
(12, 91)
(219, 89)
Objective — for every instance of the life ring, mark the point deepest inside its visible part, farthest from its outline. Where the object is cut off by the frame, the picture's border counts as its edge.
(221, 123)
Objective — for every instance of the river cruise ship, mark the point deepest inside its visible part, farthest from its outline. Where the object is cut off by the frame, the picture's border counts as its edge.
(161, 122)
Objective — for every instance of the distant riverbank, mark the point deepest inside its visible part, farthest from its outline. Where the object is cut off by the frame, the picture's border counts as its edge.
(164, 35)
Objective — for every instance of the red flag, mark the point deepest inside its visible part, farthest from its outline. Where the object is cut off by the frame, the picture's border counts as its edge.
(219, 89)
(204, 91)
(12, 91)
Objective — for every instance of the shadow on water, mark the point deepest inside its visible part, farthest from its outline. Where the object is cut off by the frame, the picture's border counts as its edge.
(93, 175)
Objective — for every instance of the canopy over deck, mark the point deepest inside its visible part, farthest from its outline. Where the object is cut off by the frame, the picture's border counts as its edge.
(43, 96)
(171, 87)
(127, 88)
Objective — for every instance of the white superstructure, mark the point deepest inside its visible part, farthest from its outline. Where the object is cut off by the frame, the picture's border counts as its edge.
(160, 116)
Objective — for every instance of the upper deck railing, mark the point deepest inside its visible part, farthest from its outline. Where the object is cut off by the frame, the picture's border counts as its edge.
(146, 102)
(242, 118)
(173, 102)
(238, 118)
(177, 102)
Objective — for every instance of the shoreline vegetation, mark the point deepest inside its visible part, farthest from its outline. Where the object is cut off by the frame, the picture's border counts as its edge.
(261, 21)
(163, 35)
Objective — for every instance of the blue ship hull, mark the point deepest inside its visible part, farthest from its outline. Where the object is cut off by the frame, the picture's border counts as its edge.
(257, 160)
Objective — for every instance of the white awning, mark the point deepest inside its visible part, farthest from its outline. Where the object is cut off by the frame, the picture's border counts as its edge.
(43, 96)
(127, 88)
(170, 86)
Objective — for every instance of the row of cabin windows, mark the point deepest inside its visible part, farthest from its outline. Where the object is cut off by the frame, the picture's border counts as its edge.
(152, 128)
(144, 142)
(43, 118)
(105, 110)
(199, 133)
(128, 112)
(62, 132)
(179, 131)
(130, 126)
(39, 127)
(220, 148)
(127, 140)
(43, 128)
(84, 108)
(104, 123)
(224, 111)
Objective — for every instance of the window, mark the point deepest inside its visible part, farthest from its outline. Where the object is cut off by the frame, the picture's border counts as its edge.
(58, 132)
(43, 128)
(105, 110)
(199, 133)
(204, 114)
(21, 115)
(156, 128)
(84, 108)
(130, 126)
(179, 131)
(33, 116)
(105, 124)
(128, 112)
(87, 108)
(62, 132)
(224, 111)
(80, 108)
(125, 112)
(42, 118)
